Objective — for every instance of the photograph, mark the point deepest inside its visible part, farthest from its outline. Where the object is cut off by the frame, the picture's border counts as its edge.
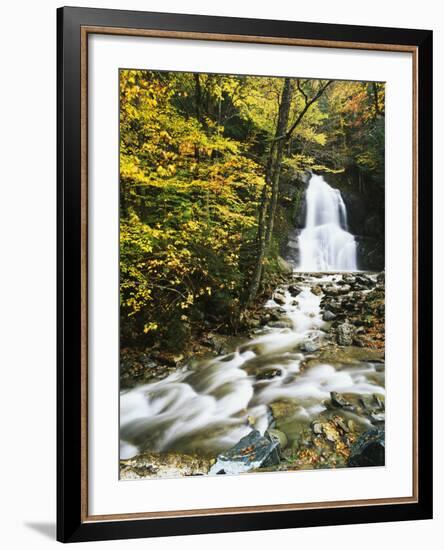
(251, 274)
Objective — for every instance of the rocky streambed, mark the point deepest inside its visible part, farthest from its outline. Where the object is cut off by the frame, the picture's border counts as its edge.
(305, 388)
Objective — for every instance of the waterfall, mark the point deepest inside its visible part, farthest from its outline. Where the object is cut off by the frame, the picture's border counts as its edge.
(324, 243)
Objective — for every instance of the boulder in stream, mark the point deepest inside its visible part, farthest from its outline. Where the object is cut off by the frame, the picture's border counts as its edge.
(294, 290)
(310, 346)
(251, 452)
(345, 334)
(328, 315)
(369, 449)
(279, 297)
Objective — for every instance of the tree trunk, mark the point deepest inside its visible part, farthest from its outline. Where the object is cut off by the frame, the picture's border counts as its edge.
(271, 181)
(284, 111)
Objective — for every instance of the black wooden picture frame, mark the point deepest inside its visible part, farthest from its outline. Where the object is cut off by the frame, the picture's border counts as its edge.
(73, 24)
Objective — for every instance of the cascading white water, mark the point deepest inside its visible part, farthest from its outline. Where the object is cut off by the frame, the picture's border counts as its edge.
(324, 243)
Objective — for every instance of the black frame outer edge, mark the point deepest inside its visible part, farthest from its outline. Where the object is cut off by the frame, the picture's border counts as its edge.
(69, 525)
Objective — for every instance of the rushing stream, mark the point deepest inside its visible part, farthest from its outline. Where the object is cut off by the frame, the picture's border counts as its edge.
(208, 409)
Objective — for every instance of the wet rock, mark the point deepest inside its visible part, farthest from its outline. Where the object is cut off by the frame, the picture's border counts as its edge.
(251, 452)
(328, 315)
(294, 290)
(379, 401)
(377, 417)
(253, 323)
(279, 298)
(331, 290)
(345, 289)
(351, 355)
(358, 342)
(337, 400)
(316, 290)
(329, 432)
(317, 428)
(310, 346)
(170, 464)
(345, 334)
(139, 368)
(285, 267)
(279, 436)
(267, 374)
(271, 315)
(169, 359)
(340, 423)
(369, 449)
(364, 404)
(283, 409)
(217, 342)
(282, 323)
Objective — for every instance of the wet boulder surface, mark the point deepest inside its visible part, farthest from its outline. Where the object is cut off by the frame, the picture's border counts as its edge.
(369, 449)
(252, 452)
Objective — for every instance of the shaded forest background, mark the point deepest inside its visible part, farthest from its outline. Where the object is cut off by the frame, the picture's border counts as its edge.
(212, 175)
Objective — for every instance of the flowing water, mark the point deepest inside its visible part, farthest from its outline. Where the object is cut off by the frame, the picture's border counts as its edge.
(208, 409)
(325, 243)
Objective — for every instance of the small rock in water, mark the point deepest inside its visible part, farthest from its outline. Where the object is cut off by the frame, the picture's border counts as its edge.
(328, 315)
(279, 298)
(310, 346)
(377, 417)
(267, 374)
(369, 449)
(358, 342)
(282, 323)
(316, 427)
(379, 400)
(341, 424)
(338, 401)
(345, 334)
(316, 290)
(251, 452)
(294, 290)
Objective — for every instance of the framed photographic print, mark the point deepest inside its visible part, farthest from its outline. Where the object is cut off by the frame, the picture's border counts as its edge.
(245, 268)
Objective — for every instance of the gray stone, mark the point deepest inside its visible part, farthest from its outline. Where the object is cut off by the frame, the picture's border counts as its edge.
(328, 315)
(316, 427)
(251, 452)
(338, 401)
(310, 346)
(294, 290)
(345, 333)
(282, 323)
(279, 298)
